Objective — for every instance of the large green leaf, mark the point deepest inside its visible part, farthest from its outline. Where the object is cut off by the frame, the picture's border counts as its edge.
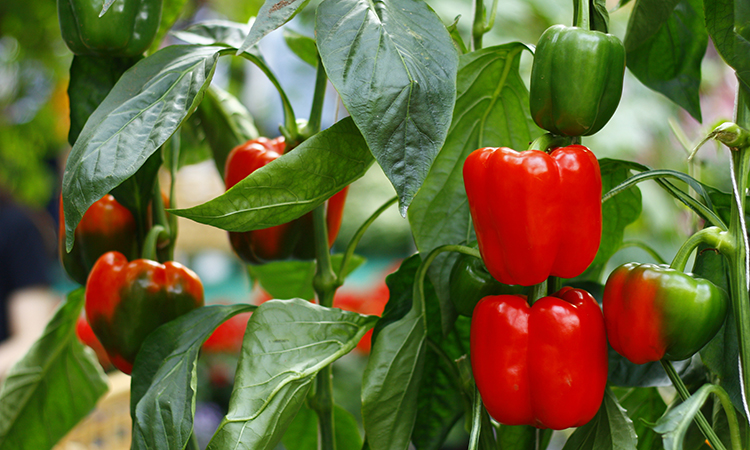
(611, 428)
(55, 385)
(294, 279)
(646, 19)
(644, 407)
(727, 22)
(669, 61)
(162, 398)
(394, 65)
(144, 108)
(291, 185)
(286, 343)
(492, 110)
(674, 425)
(302, 433)
(393, 375)
(215, 32)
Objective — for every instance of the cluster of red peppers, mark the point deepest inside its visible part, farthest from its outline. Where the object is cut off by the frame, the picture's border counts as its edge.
(537, 214)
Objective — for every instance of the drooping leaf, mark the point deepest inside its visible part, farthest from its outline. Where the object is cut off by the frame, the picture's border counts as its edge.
(611, 428)
(272, 15)
(392, 378)
(225, 122)
(293, 279)
(669, 61)
(617, 212)
(727, 23)
(91, 79)
(286, 343)
(55, 385)
(394, 65)
(144, 108)
(162, 398)
(291, 185)
(646, 19)
(492, 110)
(675, 423)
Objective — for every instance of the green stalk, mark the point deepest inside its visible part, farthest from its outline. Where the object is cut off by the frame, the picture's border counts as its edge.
(352, 246)
(699, 418)
(537, 291)
(478, 28)
(325, 284)
(151, 243)
(713, 236)
(316, 111)
(476, 421)
(581, 16)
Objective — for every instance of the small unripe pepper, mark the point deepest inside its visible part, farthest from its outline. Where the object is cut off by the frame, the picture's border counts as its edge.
(292, 240)
(576, 80)
(125, 30)
(544, 365)
(125, 301)
(654, 312)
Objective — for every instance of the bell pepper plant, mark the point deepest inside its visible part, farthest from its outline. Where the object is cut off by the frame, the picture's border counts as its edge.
(127, 300)
(543, 365)
(535, 214)
(485, 347)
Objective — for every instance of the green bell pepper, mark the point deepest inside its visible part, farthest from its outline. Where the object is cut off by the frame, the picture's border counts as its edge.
(576, 80)
(470, 282)
(654, 312)
(125, 30)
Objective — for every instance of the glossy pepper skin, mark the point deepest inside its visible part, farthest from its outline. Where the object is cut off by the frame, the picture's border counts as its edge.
(470, 282)
(576, 80)
(125, 30)
(535, 214)
(105, 226)
(654, 312)
(543, 365)
(292, 240)
(125, 301)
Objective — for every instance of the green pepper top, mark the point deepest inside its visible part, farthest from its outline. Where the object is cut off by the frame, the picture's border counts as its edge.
(125, 30)
(576, 80)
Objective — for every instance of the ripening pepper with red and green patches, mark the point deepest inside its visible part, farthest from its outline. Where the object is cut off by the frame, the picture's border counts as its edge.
(291, 240)
(125, 301)
(653, 312)
(105, 226)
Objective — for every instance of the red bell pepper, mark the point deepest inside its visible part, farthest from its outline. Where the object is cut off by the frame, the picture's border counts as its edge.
(543, 365)
(292, 240)
(535, 214)
(125, 301)
(105, 226)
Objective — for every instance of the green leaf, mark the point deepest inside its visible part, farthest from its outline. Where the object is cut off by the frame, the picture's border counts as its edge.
(394, 65)
(55, 385)
(170, 12)
(136, 192)
(214, 32)
(291, 185)
(624, 373)
(492, 110)
(669, 61)
(644, 407)
(293, 279)
(272, 15)
(226, 123)
(302, 433)
(286, 343)
(144, 108)
(91, 79)
(646, 19)
(302, 46)
(162, 398)
(393, 375)
(727, 23)
(440, 403)
(674, 424)
(617, 213)
(611, 428)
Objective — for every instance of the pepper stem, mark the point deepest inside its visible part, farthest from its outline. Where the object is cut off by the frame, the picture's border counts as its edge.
(537, 291)
(151, 243)
(549, 141)
(713, 236)
(581, 16)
